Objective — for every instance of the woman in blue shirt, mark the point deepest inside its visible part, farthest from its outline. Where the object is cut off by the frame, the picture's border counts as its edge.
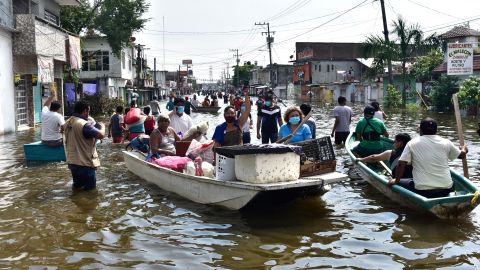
(293, 117)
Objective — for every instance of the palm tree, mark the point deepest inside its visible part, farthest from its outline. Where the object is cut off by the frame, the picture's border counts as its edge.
(409, 43)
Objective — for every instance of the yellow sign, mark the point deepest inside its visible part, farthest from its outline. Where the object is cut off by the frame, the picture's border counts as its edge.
(34, 79)
(16, 78)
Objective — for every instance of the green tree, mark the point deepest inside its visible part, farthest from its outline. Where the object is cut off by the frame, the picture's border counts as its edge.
(408, 43)
(116, 19)
(469, 94)
(423, 67)
(393, 98)
(243, 74)
(442, 91)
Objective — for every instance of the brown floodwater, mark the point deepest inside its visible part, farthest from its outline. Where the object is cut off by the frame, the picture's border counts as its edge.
(128, 223)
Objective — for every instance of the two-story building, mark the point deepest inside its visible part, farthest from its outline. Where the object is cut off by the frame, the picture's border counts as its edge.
(104, 72)
(7, 104)
(325, 69)
(39, 52)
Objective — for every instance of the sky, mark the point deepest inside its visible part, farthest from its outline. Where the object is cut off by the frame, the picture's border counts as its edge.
(206, 31)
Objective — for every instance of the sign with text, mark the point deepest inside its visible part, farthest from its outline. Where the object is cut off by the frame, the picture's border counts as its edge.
(45, 69)
(75, 52)
(187, 62)
(306, 53)
(459, 58)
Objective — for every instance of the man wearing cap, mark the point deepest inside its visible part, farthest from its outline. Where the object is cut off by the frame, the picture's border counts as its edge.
(429, 155)
(179, 120)
(369, 131)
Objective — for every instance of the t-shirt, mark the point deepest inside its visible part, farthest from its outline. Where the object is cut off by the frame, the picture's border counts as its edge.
(375, 125)
(115, 122)
(269, 117)
(195, 102)
(303, 133)
(170, 105)
(155, 106)
(344, 113)
(181, 124)
(429, 156)
(51, 122)
(378, 115)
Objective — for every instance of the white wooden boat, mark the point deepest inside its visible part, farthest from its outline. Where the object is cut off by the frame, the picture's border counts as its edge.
(232, 195)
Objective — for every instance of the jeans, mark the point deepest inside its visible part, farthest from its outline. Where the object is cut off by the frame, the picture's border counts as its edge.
(246, 137)
(269, 136)
(83, 177)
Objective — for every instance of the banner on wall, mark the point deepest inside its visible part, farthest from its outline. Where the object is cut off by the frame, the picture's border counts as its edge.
(75, 52)
(459, 58)
(45, 69)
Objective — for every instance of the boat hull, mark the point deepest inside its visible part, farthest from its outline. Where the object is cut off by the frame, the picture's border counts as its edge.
(232, 195)
(457, 205)
(39, 152)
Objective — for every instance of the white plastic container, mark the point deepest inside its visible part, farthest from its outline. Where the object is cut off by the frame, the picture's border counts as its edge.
(267, 168)
(224, 168)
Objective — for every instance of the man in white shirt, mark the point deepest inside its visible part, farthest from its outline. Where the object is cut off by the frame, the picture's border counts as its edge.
(343, 118)
(155, 106)
(180, 121)
(52, 123)
(429, 155)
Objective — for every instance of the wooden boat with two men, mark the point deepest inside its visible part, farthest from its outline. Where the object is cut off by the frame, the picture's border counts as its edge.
(459, 203)
(250, 175)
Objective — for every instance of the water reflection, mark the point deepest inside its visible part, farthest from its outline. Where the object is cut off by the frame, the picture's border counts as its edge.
(129, 223)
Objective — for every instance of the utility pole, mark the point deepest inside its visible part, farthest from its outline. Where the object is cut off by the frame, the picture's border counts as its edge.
(237, 69)
(269, 43)
(387, 41)
(155, 76)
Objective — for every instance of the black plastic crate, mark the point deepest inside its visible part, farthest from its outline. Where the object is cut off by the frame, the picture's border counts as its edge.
(320, 149)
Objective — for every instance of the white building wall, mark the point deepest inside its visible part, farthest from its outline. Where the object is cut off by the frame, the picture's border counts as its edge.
(7, 104)
(326, 71)
(115, 64)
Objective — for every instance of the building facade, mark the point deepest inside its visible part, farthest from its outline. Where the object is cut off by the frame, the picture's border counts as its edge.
(104, 72)
(7, 104)
(39, 53)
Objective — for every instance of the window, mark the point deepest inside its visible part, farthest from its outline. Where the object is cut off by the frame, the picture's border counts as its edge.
(95, 61)
(328, 68)
(319, 68)
(129, 63)
(332, 68)
(50, 17)
(315, 67)
(123, 60)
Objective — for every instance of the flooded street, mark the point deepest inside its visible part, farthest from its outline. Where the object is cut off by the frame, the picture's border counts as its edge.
(129, 223)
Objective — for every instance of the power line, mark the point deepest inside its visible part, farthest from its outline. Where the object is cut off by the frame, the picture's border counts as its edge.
(292, 8)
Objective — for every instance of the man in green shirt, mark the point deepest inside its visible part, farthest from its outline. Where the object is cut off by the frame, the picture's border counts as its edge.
(368, 131)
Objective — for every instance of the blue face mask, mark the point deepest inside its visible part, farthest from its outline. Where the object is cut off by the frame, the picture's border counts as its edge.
(294, 120)
(180, 109)
(268, 103)
(242, 108)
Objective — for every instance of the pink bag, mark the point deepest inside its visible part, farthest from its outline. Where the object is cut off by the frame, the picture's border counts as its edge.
(172, 162)
(203, 150)
(132, 116)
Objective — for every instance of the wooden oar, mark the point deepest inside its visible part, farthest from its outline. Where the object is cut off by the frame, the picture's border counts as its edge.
(460, 133)
(287, 138)
(194, 107)
(387, 169)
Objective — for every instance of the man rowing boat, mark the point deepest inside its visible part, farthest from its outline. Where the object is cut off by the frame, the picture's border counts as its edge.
(429, 155)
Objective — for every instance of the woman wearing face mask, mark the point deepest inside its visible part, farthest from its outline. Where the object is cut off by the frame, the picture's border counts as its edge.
(230, 132)
(293, 117)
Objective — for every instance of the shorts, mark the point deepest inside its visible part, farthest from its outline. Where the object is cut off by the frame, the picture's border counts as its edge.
(269, 137)
(364, 152)
(84, 177)
(132, 136)
(117, 139)
(341, 136)
(409, 184)
(54, 143)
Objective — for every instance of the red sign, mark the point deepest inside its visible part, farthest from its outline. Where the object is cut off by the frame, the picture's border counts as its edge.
(301, 74)
(187, 62)
(306, 53)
